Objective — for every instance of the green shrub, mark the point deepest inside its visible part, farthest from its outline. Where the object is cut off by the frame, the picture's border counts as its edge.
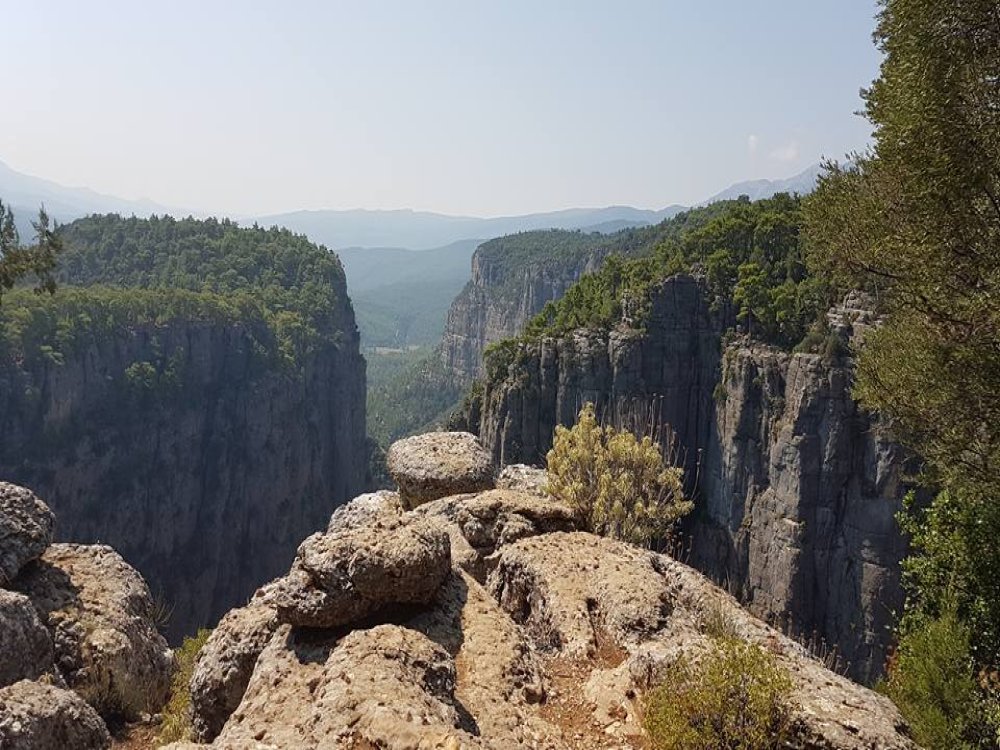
(618, 484)
(736, 698)
(176, 724)
(932, 680)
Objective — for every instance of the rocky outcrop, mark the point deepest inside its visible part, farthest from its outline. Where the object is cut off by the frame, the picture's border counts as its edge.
(25, 644)
(389, 686)
(219, 444)
(576, 592)
(226, 662)
(555, 651)
(76, 617)
(796, 487)
(347, 575)
(34, 715)
(25, 529)
(502, 297)
(479, 524)
(438, 464)
(100, 614)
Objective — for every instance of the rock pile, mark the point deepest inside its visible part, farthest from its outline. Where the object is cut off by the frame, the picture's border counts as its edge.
(484, 620)
(78, 641)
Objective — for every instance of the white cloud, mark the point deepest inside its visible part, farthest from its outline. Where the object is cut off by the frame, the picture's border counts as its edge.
(752, 143)
(788, 152)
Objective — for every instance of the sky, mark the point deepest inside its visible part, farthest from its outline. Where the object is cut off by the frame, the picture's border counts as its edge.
(455, 106)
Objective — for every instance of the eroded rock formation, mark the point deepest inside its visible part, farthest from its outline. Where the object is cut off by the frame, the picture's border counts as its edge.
(542, 638)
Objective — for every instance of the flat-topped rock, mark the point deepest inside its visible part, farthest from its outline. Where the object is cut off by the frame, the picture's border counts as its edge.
(26, 525)
(38, 716)
(574, 592)
(99, 612)
(438, 464)
(345, 576)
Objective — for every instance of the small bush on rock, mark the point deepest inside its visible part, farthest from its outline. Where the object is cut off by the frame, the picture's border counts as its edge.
(618, 484)
(736, 698)
(176, 724)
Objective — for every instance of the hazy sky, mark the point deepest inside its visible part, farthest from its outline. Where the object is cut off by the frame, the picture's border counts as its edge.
(462, 107)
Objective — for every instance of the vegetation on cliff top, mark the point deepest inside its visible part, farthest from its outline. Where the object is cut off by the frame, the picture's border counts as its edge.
(19, 262)
(917, 221)
(116, 273)
(749, 253)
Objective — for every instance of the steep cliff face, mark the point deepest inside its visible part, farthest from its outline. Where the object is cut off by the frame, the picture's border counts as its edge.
(502, 296)
(796, 487)
(205, 483)
(193, 394)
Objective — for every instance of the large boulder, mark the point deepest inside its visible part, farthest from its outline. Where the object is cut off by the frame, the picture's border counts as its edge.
(225, 663)
(38, 716)
(345, 576)
(25, 644)
(387, 687)
(101, 617)
(26, 525)
(438, 464)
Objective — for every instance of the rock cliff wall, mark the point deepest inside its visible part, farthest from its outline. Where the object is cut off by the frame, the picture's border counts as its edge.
(796, 486)
(498, 302)
(205, 480)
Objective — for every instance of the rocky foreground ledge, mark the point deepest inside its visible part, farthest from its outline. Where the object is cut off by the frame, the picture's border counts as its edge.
(483, 620)
(78, 640)
(444, 619)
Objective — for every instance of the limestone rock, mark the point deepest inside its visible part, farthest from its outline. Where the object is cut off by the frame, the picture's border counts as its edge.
(364, 509)
(100, 614)
(480, 524)
(36, 716)
(523, 478)
(25, 644)
(389, 687)
(574, 591)
(438, 464)
(500, 677)
(26, 525)
(570, 590)
(344, 576)
(225, 663)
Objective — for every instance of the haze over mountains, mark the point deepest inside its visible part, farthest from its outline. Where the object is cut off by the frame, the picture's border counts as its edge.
(338, 229)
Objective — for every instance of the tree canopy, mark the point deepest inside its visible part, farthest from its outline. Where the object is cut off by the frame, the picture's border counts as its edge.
(917, 221)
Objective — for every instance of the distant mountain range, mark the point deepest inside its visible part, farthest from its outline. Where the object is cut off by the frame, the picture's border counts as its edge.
(25, 194)
(420, 230)
(802, 183)
(415, 230)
